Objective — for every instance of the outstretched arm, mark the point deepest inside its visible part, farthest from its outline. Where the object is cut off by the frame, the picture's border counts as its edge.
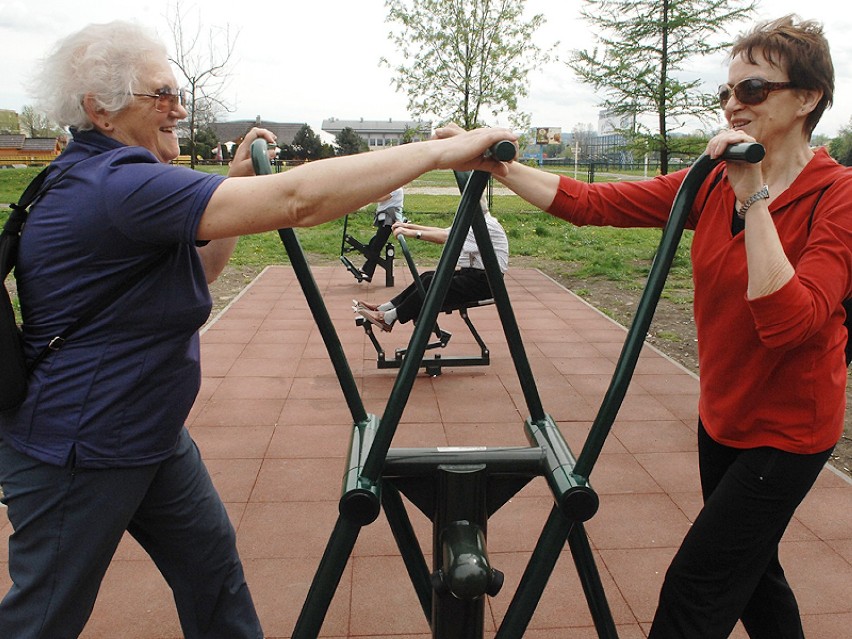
(417, 231)
(321, 191)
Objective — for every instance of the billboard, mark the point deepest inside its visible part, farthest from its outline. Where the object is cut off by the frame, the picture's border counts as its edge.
(548, 135)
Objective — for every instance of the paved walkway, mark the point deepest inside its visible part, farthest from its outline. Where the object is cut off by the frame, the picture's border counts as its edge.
(274, 429)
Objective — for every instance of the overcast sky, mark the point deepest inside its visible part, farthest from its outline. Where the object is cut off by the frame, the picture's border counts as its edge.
(300, 61)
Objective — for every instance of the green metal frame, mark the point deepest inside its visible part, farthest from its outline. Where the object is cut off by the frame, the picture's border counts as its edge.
(459, 489)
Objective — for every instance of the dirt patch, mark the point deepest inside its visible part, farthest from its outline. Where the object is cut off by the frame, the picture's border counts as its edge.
(672, 331)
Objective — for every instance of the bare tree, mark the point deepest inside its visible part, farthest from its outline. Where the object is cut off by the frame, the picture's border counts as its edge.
(205, 65)
(35, 124)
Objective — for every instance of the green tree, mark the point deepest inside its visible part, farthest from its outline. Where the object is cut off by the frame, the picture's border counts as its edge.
(205, 65)
(463, 58)
(349, 142)
(643, 46)
(205, 142)
(307, 144)
(840, 147)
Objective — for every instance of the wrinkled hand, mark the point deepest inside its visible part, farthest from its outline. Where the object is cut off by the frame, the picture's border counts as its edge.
(241, 165)
(745, 178)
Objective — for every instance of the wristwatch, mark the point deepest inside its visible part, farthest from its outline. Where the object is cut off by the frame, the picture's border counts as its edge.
(762, 194)
(418, 235)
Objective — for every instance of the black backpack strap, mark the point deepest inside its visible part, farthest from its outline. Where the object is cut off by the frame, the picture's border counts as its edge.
(18, 217)
(99, 305)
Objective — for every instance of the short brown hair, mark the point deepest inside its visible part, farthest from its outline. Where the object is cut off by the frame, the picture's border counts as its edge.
(801, 47)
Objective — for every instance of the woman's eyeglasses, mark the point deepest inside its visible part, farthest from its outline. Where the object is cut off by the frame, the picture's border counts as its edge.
(165, 100)
(750, 91)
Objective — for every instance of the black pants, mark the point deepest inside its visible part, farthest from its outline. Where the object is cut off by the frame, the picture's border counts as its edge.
(466, 285)
(727, 567)
(383, 223)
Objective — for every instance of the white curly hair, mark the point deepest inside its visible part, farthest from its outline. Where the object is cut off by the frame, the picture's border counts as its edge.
(104, 60)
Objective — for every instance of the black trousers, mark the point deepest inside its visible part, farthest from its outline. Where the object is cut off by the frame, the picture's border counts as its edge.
(727, 567)
(373, 252)
(466, 285)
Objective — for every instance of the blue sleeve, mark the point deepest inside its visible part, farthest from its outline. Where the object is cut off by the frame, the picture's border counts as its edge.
(156, 203)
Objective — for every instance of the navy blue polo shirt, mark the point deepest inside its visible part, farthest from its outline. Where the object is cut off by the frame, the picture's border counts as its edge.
(119, 390)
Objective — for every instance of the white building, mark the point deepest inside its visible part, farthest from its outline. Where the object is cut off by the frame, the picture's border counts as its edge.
(381, 133)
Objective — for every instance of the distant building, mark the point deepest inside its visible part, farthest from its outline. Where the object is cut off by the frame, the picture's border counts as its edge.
(19, 149)
(230, 134)
(234, 132)
(381, 133)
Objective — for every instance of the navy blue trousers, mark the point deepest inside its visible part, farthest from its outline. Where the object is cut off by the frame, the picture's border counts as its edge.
(67, 525)
(727, 567)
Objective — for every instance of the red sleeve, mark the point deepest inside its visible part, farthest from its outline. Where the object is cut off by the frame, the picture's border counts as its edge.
(641, 203)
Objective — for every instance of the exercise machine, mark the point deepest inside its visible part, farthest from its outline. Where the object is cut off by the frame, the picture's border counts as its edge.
(460, 488)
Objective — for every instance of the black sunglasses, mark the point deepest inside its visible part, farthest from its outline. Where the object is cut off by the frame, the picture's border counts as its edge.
(750, 91)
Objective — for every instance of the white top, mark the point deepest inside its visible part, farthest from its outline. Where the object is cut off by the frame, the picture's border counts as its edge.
(470, 257)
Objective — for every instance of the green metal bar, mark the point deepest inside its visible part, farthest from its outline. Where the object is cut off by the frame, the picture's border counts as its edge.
(507, 317)
(343, 238)
(535, 577)
(324, 324)
(574, 497)
(361, 499)
(409, 546)
(428, 316)
(591, 581)
(648, 302)
(327, 579)
(260, 161)
(421, 462)
(460, 506)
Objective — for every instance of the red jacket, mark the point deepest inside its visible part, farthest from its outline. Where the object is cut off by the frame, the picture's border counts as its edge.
(772, 370)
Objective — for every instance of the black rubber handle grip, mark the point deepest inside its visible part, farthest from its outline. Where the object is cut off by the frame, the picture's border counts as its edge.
(505, 151)
(745, 151)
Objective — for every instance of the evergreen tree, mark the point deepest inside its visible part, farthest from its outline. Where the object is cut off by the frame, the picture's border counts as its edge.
(349, 142)
(307, 144)
(643, 47)
(840, 147)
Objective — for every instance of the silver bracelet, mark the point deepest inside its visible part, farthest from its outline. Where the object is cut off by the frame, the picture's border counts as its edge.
(762, 194)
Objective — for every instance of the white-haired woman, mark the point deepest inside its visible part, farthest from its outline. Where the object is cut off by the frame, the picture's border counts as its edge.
(99, 445)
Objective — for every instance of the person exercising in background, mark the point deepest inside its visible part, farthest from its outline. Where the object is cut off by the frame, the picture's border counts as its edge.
(388, 211)
(469, 282)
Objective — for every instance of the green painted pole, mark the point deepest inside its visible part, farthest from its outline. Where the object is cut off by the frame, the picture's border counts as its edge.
(327, 579)
(650, 296)
(428, 316)
(260, 162)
